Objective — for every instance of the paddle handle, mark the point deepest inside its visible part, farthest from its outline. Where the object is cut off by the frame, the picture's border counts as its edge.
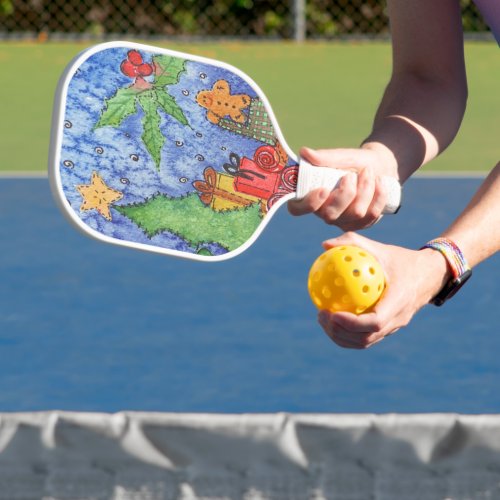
(312, 177)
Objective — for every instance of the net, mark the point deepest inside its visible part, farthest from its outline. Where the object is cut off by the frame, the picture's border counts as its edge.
(153, 456)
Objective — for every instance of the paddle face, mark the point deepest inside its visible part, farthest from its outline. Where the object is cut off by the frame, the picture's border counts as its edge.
(166, 152)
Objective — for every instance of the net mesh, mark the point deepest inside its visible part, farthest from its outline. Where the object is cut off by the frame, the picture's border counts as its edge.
(162, 456)
(190, 18)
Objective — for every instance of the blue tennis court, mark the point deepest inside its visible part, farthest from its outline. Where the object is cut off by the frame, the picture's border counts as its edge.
(90, 327)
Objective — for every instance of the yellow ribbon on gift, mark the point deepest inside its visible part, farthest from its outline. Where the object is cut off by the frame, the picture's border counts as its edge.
(217, 191)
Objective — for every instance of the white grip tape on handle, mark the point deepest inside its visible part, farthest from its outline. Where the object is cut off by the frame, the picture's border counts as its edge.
(312, 177)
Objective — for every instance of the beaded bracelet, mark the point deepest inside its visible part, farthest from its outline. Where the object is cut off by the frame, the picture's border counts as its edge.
(459, 267)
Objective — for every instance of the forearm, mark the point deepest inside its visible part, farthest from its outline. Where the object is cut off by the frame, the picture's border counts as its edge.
(416, 121)
(477, 230)
(424, 102)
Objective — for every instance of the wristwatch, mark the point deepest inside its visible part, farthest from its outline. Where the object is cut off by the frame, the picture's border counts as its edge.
(460, 270)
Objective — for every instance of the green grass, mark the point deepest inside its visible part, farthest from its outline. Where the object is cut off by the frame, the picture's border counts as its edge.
(323, 94)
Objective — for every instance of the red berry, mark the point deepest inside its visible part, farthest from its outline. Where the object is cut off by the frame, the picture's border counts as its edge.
(134, 57)
(128, 68)
(145, 69)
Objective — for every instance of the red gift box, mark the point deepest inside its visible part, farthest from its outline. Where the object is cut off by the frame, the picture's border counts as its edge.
(256, 181)
(260, 177)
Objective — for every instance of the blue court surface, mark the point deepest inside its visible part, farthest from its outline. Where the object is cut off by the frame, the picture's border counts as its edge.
(86, 326)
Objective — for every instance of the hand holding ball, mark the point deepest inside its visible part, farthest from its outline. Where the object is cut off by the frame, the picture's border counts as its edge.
(346, 278)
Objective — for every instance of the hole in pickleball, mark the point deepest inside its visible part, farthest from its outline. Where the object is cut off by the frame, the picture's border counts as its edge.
(327, 293)
(371, 270)
(362, 254)
(366, 289)
(348, 258)
(317, 276)
(346, 299)
(356, 273)
(339, 281)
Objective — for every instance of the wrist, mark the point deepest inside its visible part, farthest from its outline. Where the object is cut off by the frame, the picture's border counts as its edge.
(437, 274)
(388, 165)
(458, 268)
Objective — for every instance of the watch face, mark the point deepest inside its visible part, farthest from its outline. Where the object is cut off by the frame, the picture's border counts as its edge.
(451, 288)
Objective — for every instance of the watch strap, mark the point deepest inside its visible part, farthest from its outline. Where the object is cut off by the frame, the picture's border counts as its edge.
(457, 263)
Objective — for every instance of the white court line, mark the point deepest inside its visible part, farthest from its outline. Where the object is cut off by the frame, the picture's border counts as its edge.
(23, 175)
(453, 174)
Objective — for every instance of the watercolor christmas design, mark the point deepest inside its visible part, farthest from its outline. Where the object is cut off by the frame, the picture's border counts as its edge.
(170, 152)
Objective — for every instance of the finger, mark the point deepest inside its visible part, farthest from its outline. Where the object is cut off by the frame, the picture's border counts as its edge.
(340, 335)
(335, 327)
(365, 324)
(353, 340)
(348, 238)
(361, 340)
(356, 215)
(341, 339)
(343, 343)
(365, 193)
(375, 210)
(373, 325)
(379, 200)
(311, 203)
(339, 199)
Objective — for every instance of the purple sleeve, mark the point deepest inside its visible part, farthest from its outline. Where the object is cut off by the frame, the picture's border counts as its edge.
(490, 9)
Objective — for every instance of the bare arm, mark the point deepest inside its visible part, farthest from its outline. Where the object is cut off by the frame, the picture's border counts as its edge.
(477, 230)
(424, 102)
(419, 115)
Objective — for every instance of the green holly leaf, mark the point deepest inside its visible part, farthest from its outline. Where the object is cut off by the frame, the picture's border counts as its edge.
(118, 107)
(152, 137)
(168, 70)
(168, 104)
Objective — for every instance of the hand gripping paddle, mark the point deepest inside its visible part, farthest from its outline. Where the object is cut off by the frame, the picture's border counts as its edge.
(172, 153)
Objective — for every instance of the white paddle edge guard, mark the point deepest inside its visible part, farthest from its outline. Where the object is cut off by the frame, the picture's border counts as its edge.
(312, 177)
(54, 157)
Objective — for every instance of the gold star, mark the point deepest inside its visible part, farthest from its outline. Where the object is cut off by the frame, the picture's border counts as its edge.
(97, 195)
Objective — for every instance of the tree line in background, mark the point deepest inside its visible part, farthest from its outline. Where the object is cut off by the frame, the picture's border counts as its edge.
(193, 18)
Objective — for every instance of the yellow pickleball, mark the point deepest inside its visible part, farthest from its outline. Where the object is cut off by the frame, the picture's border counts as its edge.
(346, 278)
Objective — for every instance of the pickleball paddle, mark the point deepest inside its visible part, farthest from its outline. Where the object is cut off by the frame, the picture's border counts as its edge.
(172, 153)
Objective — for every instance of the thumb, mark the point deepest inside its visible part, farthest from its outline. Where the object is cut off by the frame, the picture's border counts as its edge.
(349, 238)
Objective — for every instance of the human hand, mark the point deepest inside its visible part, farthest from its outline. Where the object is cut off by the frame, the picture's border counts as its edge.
(413, 278)
(358, 200)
